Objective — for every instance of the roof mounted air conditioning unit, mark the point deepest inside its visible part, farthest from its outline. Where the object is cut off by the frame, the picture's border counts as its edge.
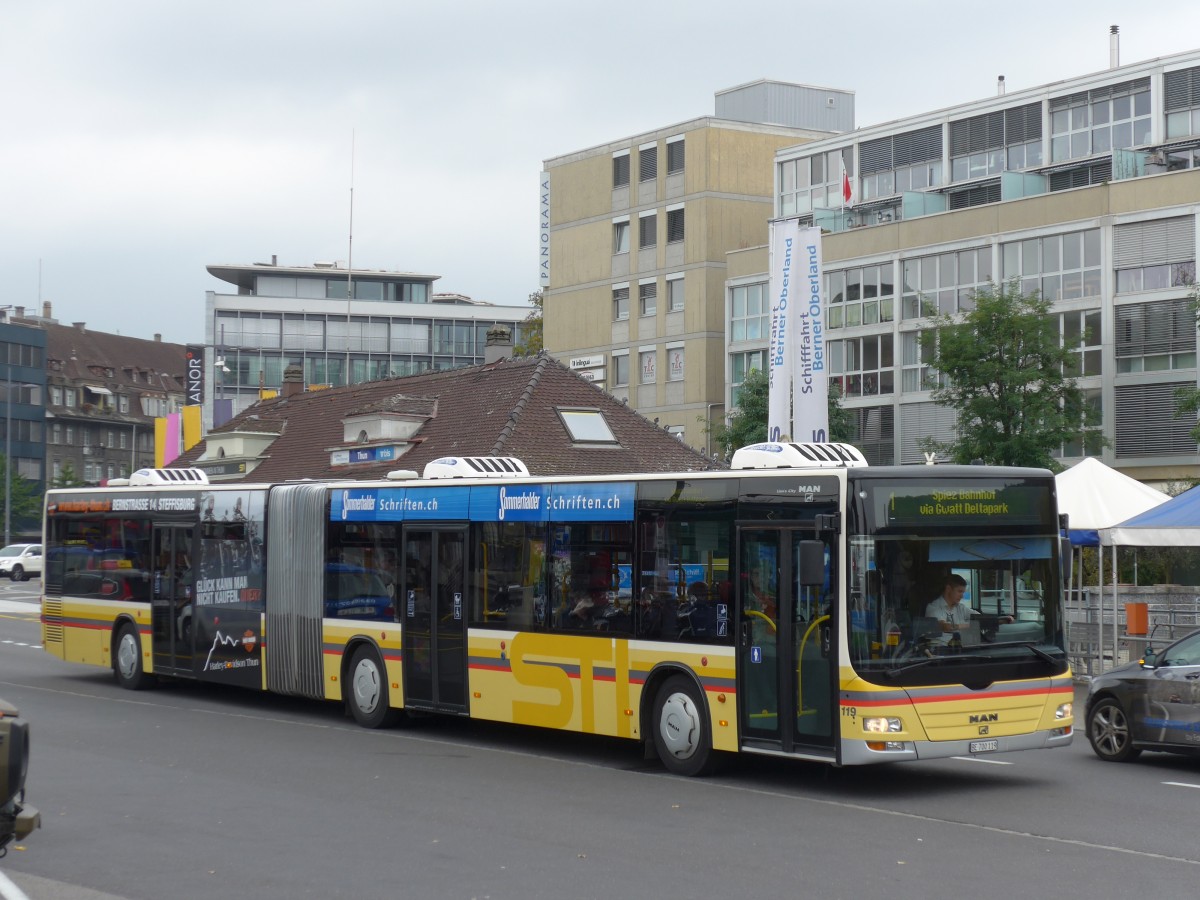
(773, 455)
(181, 477)
(476, 467)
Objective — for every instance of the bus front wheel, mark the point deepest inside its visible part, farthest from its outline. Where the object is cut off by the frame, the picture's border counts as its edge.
(682, 735)
(127, 660)
(368, 694)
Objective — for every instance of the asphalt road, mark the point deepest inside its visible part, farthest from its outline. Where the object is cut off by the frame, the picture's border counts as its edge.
(188, 791)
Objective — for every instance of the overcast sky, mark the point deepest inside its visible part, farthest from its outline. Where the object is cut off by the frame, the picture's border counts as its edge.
(144, 140)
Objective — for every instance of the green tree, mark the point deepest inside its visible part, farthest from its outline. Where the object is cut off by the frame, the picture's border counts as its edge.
(24, 500)
(1009, 379)
(531, 328)
(68, 477)
(841, 420)
(748, 421)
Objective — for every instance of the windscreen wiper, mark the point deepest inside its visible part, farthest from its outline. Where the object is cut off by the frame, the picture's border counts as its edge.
(921, 663)
(1031, 645)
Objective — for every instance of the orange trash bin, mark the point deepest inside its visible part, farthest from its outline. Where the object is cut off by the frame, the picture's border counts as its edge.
(1137, 618)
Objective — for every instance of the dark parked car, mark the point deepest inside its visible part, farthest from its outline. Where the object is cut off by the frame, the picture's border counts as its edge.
(1153, 704)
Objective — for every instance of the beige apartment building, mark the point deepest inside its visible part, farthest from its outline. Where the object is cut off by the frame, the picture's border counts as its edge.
(638, 233)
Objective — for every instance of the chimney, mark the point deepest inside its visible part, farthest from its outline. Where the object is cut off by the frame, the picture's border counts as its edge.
(274, 259)
(46, 310)
(499, 345)
(82, 326)
(1000, 86)
(1114, 46)
(158, 337)
(293, 380)
(20, 312)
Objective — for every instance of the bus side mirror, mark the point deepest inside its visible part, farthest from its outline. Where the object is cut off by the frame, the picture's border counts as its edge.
(811, 560)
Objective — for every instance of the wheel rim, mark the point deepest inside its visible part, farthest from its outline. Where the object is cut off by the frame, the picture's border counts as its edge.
(1110, 730)
(128, 655)
(366, 686)
(679, 726)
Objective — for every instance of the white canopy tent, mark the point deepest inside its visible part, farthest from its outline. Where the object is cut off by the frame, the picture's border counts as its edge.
(1097, 498)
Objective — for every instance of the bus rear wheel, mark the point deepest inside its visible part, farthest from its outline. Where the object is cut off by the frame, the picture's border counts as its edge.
(368, 695)
(682, 735)
(127, 660)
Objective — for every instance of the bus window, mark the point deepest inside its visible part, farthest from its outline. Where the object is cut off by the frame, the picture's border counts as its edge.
(508, 584)
(585, 576)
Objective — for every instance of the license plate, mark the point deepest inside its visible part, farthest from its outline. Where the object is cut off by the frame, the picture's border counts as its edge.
(984, 746)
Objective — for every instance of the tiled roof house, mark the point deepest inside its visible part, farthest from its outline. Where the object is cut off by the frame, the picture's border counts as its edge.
(532, 408)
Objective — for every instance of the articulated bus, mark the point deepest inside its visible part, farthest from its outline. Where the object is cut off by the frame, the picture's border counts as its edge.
(780, 607)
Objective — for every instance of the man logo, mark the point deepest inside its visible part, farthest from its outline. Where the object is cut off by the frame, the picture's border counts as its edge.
(990, 717)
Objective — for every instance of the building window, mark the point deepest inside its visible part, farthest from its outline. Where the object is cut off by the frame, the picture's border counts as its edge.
(621, 302)
(1080, 330)
(872, 430)
(56, 433)
(916, 372)
(620, 363)
(675, 294)
(647, 363)
(621, 236)
(674, 225)
(69, 397)
(864, 367)
(56, 396)
(1061, 267)
(1100, 121)
(900, 162)
(863, 295)
(621, 170)
(1090, 440)
(674, 156)
(648, 163)
(123, 403)
(586, 426)
(740, 365)
(674, 364)
(1155, 337)
(945, 283)
(648, 298)
(750, 313)
(988, 144)
(814, 182)
(1181, 91)
(647, 230)
(1156, 278)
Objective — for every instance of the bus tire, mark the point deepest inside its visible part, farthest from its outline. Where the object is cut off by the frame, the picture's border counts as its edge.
(368, 694)
(127, 660)
(682, 735)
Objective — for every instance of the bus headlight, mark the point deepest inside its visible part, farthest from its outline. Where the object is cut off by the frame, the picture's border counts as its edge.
(1064, 711)
(882, 724)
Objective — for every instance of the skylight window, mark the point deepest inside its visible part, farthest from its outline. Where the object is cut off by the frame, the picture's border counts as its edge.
(587, 426)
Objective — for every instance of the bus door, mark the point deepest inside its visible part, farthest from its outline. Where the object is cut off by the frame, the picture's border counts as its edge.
(172, 581)
(787, 661)
(433, 613)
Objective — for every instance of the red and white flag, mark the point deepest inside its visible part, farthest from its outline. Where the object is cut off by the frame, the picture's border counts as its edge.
(846, 192)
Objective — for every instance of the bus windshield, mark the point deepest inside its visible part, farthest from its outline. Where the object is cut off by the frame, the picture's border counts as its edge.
(945, 574)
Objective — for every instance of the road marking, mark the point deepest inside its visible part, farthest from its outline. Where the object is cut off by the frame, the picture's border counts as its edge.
(1182, 784)
(12, 606)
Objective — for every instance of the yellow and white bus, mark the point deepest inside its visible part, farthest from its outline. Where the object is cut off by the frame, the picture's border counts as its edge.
(783, 607)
